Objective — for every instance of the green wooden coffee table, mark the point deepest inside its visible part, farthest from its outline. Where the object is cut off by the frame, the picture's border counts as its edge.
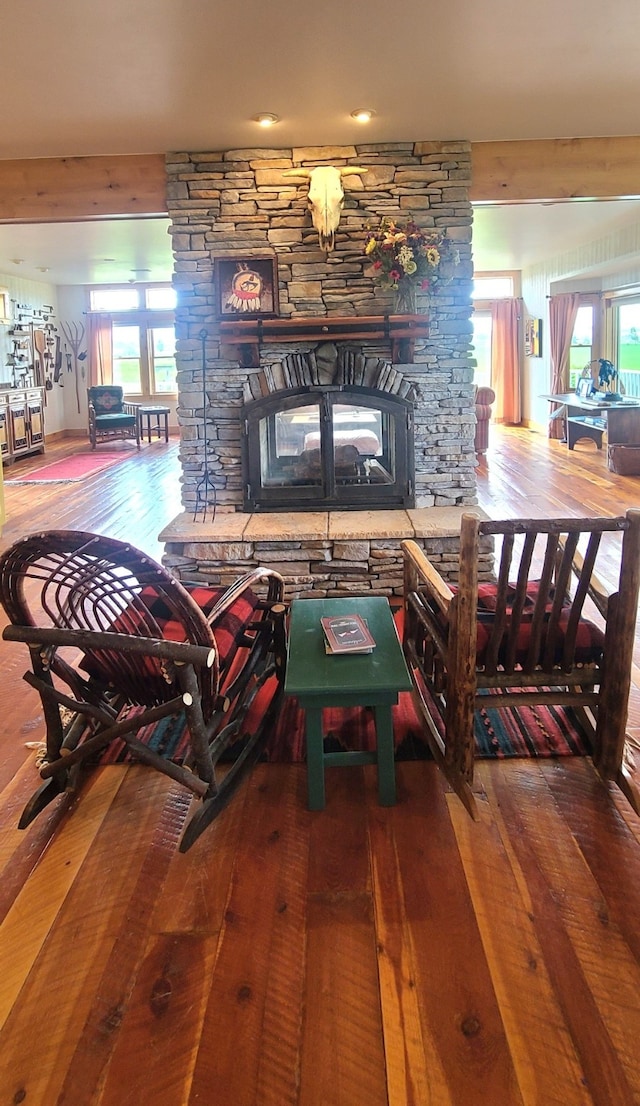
(368, 680)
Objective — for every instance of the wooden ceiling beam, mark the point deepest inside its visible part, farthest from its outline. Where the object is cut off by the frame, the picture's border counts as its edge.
(63, 189)
(555, 169)
(45, 190)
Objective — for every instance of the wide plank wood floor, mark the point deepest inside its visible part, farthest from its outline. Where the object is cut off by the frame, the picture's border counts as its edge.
(358, 956)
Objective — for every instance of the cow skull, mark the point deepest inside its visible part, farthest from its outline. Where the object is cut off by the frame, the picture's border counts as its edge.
(326, 198)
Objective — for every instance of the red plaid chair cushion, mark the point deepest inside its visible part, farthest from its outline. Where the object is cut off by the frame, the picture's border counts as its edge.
(589, 638)
(228, 631)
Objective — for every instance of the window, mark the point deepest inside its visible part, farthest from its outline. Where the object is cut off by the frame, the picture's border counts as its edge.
(160, 299)
(126, 357)
(163, 357)
(143, 336)
(487, 287)
(627, 357)
(623, 338)
(114, 299)
(495, 287)
(581, 350)
(154, 297)
(481, 321)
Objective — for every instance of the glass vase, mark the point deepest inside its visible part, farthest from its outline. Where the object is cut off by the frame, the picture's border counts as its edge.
(406, 302)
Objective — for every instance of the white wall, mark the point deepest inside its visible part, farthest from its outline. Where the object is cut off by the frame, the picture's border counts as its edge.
(72, 305)
(536, 375)
(36, 294)
(570, 271)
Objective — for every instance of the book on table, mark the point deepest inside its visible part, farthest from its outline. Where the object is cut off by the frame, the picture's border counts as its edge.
(347, 633)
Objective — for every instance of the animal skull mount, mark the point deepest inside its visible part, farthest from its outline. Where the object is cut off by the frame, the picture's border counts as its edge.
(326, 198)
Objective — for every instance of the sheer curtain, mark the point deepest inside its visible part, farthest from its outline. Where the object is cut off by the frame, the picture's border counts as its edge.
(100, 349)
(563, 310)
(506, 316)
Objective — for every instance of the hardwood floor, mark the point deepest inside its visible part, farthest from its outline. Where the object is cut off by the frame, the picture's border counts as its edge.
(358, 956)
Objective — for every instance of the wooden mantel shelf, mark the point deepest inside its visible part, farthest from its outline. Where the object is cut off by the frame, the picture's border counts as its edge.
(400, 330)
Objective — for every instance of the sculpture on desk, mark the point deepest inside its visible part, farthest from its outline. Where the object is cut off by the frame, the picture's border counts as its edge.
(605, 378)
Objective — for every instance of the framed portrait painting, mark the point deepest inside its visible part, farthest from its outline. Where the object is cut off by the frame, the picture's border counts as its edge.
(246, 287)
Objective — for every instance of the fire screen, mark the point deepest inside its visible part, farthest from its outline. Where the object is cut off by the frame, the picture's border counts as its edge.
(328, 447)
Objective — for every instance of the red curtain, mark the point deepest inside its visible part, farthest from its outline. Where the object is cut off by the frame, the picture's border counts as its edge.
(562, 318)
(506, 316)
(100, 350)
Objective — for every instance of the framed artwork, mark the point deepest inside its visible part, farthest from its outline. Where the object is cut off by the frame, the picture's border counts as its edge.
(5, 306)
(584, 387)
(246, 287)
(533, 337)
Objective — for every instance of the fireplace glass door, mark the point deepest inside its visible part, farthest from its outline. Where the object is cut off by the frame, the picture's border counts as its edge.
(331, 447)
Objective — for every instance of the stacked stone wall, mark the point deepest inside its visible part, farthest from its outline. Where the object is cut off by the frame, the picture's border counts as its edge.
(239, 203)
(320, 567)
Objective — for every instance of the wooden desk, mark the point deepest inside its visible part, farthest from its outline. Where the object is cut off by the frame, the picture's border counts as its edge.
(371, 679)
(620, 419)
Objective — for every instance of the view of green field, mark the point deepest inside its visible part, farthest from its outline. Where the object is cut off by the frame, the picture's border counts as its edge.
(126, 358)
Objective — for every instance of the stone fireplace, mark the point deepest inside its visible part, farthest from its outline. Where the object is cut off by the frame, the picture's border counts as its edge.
(407, 381)
(335, 445)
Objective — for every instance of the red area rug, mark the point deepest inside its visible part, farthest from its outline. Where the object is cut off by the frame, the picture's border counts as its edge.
(541, 731)
(524, 732)
(70, 469)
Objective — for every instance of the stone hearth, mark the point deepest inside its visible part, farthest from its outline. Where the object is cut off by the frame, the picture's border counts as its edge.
(318, 553)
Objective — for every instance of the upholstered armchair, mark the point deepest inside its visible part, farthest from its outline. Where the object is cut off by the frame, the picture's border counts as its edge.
(110, 417)
(484, 399)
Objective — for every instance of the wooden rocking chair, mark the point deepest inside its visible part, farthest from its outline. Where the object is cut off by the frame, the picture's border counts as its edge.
(546, 627)
(117, 643)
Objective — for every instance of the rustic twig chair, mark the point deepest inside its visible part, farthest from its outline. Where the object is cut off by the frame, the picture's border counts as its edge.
(545, 626)
(143, 647)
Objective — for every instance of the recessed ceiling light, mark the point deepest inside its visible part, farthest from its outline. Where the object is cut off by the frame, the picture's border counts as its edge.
(18, 260)
(43, 268)
(363, 115)
(266, 119)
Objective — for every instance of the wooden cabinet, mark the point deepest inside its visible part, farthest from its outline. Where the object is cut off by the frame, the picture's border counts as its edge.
(21, 423)
(4, 425)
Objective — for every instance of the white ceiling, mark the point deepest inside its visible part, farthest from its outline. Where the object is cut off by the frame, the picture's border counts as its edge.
(100, 251)
(119, 250)
(516, 236)
(87, 78)
(81, 77)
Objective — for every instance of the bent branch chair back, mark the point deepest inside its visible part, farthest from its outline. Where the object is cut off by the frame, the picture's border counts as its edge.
(117, 643)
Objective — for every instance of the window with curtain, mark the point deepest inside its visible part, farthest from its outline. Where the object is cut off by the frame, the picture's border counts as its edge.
(487, 288)
(141, 320)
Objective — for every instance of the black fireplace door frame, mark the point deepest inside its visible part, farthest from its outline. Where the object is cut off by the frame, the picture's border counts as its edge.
(328, 493)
